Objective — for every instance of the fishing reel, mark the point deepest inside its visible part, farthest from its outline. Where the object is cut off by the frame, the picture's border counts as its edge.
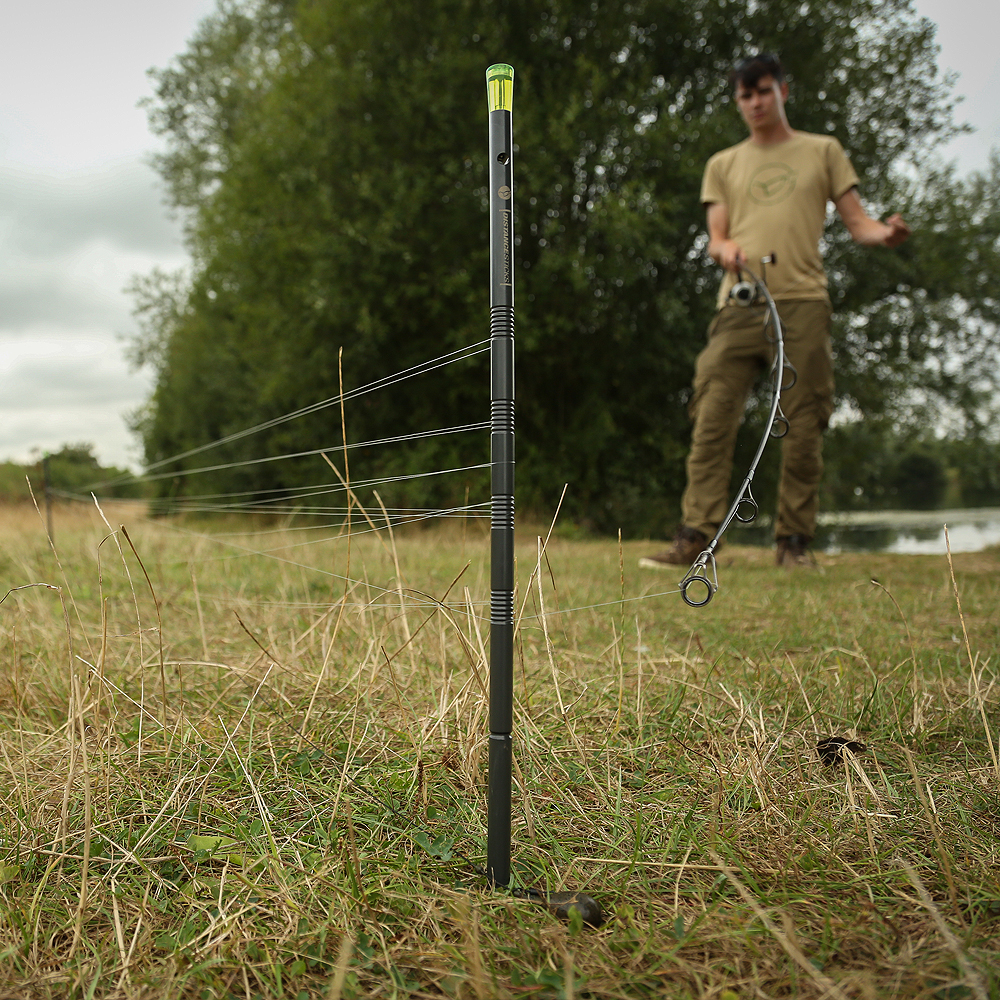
(746, 292)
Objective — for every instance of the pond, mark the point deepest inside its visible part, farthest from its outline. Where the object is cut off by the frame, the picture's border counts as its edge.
(903, 531)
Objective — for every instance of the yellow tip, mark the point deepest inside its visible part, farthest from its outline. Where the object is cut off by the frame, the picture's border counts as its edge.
(500, 87)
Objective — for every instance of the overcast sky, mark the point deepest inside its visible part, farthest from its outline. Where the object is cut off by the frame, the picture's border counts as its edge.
(81, 211)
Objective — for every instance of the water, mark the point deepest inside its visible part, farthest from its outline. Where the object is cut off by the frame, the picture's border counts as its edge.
(904, 531)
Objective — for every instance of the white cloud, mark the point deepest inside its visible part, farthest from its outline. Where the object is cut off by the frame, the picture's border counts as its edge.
(72, 74)
(967, 31)
(80, 213)
(57, 390)
(121, 203)
(70, 245)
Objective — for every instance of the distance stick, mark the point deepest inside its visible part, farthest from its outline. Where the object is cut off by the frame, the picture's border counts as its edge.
(500, 94)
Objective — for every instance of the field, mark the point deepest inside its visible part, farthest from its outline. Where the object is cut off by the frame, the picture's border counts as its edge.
(240, 764)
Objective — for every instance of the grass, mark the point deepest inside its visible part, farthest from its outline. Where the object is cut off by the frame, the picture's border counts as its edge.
(225, 775)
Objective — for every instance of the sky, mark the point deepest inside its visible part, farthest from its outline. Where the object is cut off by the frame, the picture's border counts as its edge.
(81, 210)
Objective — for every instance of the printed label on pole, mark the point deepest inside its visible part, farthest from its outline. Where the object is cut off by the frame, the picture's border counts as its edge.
(505, 215)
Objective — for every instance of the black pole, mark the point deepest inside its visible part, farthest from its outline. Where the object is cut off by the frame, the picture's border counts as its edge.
(500, 90)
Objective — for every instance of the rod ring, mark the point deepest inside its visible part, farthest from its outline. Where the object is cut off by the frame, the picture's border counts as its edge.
(746, 518)
(686, 587)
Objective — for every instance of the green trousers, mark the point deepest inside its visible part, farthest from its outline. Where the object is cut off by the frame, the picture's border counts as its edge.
(737, 353)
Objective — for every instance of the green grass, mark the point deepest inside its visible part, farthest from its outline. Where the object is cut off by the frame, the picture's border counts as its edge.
(249, 778)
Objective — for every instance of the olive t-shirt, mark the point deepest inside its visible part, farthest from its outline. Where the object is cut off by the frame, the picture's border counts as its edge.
(777, 197)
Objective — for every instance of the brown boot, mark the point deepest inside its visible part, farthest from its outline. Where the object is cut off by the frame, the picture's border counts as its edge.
(687, 545)
(793, 550)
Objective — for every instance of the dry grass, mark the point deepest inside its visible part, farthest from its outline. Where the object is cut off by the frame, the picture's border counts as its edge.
(248, 778)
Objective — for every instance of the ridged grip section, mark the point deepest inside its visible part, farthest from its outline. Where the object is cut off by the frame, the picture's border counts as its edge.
(502, 321)
(502, 518)
(502, 416)
(501, 607)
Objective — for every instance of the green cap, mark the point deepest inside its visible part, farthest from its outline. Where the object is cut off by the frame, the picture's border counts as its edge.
(500, 87)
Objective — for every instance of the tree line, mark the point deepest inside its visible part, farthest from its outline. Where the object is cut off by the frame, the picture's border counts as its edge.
(74, 469)
(879, 469)
(328, 161)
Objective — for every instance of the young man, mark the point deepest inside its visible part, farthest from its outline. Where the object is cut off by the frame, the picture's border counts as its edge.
(768, 195)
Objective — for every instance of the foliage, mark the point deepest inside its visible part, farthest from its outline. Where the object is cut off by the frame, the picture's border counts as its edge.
(12, 482)
(72, 469)
(329, 161)
(926, 353)
(872, 466)
(75, 469)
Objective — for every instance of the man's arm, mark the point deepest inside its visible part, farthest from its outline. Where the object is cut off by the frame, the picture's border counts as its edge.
(864, 229)
(721, 248)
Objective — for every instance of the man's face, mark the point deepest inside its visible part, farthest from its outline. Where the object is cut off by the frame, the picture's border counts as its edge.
(762, 104)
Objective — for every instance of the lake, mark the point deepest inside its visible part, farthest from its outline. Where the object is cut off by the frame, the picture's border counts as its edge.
(904, 531)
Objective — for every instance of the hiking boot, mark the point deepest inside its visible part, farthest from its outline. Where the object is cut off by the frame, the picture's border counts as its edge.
(793, 550)
(687, 545)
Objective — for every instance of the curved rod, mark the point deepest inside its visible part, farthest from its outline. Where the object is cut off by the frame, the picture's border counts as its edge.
(701, 581)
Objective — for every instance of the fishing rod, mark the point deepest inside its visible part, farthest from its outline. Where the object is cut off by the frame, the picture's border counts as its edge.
(701, 581)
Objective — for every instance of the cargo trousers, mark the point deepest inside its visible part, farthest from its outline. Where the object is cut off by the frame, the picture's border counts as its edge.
(737, 353)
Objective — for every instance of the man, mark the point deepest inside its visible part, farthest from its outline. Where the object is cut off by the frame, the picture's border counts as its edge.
(768, 195)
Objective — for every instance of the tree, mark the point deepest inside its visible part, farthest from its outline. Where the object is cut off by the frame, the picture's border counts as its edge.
(329, 161)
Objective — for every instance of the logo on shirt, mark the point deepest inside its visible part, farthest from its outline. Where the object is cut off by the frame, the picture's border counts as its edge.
(772, 183)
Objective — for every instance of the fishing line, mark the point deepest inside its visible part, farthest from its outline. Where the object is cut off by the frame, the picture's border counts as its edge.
(471, 350)
(319, 490)
(332, 449)
(472, 512)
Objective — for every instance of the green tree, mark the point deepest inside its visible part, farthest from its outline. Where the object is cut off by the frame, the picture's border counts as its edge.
(74, 468)
(975, 462)
(329, 161)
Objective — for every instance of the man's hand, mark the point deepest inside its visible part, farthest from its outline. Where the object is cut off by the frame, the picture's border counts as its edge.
(728, 254)
(898, 232)
(867, 231)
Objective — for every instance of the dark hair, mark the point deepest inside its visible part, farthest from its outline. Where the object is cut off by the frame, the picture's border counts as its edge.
(748, 71)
